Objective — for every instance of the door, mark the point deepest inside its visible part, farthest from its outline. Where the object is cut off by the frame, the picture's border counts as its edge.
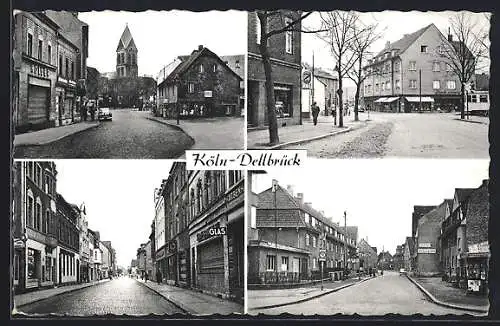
(38, 104)
(304, 268)
(295, 265)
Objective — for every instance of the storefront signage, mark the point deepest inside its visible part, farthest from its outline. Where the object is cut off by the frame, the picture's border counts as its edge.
(425, 245)
(235, 193)
(426, 250)
(479, 248)
(160, 254)
(214, 231)
(207, 93)
(39, 70)
(172, 247)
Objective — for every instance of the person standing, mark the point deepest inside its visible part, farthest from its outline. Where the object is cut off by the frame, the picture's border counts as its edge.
(315, 112)
(158, 276)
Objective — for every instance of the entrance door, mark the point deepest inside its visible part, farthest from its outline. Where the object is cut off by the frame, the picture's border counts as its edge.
(304, 268)
(253, 99)
(38, 104)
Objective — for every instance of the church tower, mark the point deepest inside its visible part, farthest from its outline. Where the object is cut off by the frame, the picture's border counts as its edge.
(126, 56)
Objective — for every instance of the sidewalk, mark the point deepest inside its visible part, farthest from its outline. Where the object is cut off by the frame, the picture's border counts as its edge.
(297, 134)
(49, 135)
(261, 299)
(193, 302)
(444, 294)
(37, 295)
(211, 133)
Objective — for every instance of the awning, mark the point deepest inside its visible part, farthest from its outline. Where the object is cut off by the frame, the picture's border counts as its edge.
(380, 100)
(417, 99)
(390, 99)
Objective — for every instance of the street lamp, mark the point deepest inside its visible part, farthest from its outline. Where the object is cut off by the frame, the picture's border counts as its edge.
(274, 188)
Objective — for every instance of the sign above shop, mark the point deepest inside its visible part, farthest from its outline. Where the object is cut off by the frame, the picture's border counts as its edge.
(172, 247)
(235, 193)
(426, 250)
(214, 231)
(477, 248)
(424, 245)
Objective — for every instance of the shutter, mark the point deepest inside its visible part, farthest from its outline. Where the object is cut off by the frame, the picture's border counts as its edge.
(38, 103)
(211, 256)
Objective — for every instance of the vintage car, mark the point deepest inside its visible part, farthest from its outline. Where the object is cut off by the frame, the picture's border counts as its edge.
(104, 114)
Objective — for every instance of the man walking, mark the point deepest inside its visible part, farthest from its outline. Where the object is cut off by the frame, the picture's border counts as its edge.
(315, 112)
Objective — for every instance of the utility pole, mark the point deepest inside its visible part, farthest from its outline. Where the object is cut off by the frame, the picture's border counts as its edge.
(275, 185)
(420, 88)
(345, 244)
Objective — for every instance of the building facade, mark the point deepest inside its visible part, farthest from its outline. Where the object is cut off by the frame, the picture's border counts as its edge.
(411, 75)
(84, 243)
(285, 53)
(65, 102)
(68, 246)
(199, 85)
(290, 236)
(367, 255)
(35, 226)
(238, 64)
(325, 90)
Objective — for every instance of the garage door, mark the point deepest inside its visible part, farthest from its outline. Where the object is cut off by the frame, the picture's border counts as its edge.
(38, 103)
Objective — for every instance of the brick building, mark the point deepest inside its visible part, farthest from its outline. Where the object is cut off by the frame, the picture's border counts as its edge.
(285, 52)
(409, 71)
(367, 255)
(199, 85)
(35, 225)
(290, 234)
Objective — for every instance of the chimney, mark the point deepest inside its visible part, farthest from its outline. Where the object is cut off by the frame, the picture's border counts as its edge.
(450, 37)
(200, 47)
(289, 188)
(300, 198)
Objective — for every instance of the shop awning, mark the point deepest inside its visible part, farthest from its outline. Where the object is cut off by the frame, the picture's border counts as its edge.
(417, 99)
(390, 99)
(380, 100)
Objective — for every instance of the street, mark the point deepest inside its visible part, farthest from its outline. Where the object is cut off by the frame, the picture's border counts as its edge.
(118, 296)
(427, 135)
(129, 135)
(382, 295)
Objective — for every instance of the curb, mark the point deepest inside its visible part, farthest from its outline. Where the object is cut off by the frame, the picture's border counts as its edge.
(182, 307)
(311, 297)
(173, 126)
(56, 139)
(441, 303)
(470, 121)
(58, 294)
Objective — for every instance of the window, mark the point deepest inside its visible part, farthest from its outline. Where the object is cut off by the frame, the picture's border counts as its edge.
(237, 64)
(483, 98)
(377, 88)
(284, 264)
(30, 45)
(397, 66)
(383, 86)
(307, 218)
(388, 85)
(398, 84)
(66, 67)
(307, 240)
(315, 263)
(436, 84)
(38, 214)
(253, 217)
(271, 263)
(40, 49)
(450, 84)
(200, 69)
(60, 64)
(413, 83)
(257, 29)
(413, 66)
(314, 241)
(313, 221)
(448, 67)
(49, 54)
(72, 70)
(288, 38)
(423, 48)
(30, 209)
(191, 88)
(435, 66)
(214, 67)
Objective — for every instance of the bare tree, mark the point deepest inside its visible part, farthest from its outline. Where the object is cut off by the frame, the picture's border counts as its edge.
(340, 32)
(466, 53)
(363, 39)
(275, 22)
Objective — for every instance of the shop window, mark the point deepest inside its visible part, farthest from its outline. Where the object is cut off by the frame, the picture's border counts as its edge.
(283, 101)
(271, 263)
(32, 263)
(284, 264)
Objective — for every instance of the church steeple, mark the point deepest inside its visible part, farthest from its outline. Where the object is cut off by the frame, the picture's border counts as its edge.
(126, 55)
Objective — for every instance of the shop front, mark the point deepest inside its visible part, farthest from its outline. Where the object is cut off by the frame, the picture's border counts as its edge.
(477, 262)
(171, 259)
(161, 262)
(419, 103)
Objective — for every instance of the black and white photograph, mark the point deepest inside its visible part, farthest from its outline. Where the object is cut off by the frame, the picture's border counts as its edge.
(368, 85)
(369, 244)
(88, 241)
(117, 84)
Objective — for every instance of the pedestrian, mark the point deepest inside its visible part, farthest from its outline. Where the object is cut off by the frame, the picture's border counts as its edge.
(92, 113)
(146, 277)
(158, 276)
(334, 114)
(315, 112)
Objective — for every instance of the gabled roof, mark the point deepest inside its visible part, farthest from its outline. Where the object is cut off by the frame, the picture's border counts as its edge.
(319, 72)
(188, 60)
(421, 210)
(449, 202)
(283, 199)
(463, 194)
(403, 43)
(126, 40)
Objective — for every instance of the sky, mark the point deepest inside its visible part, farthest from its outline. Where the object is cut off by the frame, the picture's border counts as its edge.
(392, 24)
(118, 195)
(161, 36)
(378, 195)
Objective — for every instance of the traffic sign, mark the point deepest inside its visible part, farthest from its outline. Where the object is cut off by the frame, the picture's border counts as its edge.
(322, 255)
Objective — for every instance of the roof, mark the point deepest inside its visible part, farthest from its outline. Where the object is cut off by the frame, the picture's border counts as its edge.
(283, 199)
(403, 43)
(188, 60)
(319, 72)
(449, 202)
(126, 39)
(463, 194)
(421, 210)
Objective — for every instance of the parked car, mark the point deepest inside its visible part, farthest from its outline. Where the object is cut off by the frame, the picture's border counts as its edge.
(104, 114)
(361, 109)
(402, 271)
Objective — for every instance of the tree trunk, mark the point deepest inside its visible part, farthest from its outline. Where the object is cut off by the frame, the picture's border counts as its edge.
(356, 102)
(462, 102)
(341, 105)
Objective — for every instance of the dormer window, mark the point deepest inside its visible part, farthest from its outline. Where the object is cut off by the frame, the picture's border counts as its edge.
(423, 48)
